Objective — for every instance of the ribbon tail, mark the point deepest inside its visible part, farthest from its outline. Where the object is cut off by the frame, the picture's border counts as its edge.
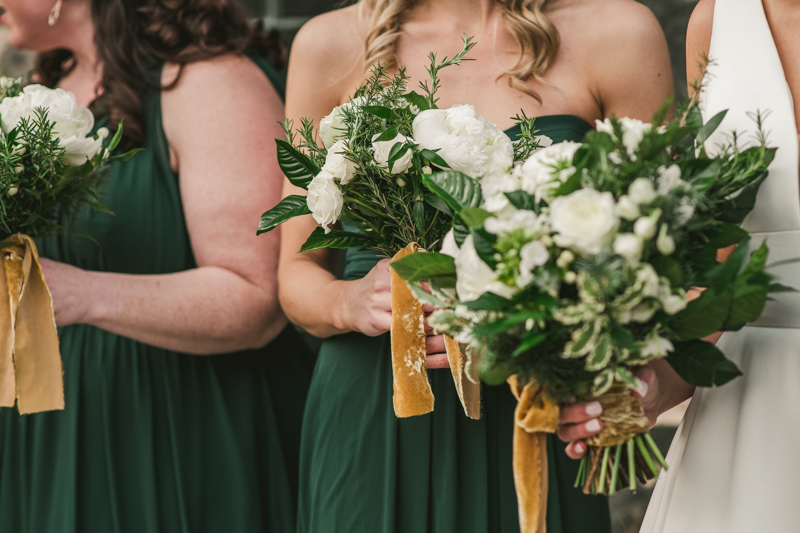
(534, 416)
(469, 391)
(412, 390)
(37, 360)
(10, 285)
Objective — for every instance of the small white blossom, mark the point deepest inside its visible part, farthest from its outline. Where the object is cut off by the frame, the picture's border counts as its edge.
(656, 346)
(684, 212)
(400, 182)
(532, 255)
(565, 259)
(19, 169)
(665, 243)
(427, 170)
(627, 208)
(674, 304)
(12, 191)
(648, 277)
(570, 277)
(669, 179)
(103, 133)
(641, 191)
(629, 246)
(646, 227)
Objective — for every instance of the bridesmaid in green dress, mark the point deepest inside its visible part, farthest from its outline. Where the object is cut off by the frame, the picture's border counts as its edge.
(570, 62)
(184, 385)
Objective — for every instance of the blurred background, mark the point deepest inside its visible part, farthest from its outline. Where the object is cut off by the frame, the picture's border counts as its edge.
(288, 15)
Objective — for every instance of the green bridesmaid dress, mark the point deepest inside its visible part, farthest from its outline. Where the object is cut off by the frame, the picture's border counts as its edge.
(362, 470)
(154, 441)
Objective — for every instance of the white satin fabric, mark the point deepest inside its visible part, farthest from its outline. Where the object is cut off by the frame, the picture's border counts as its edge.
(735, 460)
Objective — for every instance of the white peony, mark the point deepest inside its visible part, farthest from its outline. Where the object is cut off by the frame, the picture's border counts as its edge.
(72, 124)
(629, 246)
(332, 128)
(325, 199)
(338, 165)
(669, 179)
(627, 208)
(584, 220)
(466, 141)
(382, 149)
(532, 255)
(641, 191)
(475, 278)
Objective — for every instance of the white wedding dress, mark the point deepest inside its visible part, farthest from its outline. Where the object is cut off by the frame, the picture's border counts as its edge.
(735, 460)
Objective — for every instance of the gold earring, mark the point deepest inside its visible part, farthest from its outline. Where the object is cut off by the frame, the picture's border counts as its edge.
(54, 13)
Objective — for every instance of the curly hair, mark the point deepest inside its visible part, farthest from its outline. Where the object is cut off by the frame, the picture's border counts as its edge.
(536, 36)
(133, 36)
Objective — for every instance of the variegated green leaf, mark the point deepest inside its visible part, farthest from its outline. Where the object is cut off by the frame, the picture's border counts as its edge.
(425, 297)
(601, 353)
(603, 382)
(625, 376)
(575, 314)
(583, 340)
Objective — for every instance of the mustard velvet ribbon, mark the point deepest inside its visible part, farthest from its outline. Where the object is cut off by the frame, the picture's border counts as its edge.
(30, 362)
(534, 417)
(412, 390)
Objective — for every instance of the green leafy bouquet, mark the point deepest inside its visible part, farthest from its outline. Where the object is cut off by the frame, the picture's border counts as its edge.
(575, 265)
(48, 158)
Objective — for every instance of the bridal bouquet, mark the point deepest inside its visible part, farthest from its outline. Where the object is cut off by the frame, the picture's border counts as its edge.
(48, 165)
(369, 173)
(575, 270)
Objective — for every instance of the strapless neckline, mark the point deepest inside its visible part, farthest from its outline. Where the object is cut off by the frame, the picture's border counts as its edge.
(547, 122)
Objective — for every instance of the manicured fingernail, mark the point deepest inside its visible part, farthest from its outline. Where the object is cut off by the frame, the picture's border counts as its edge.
(594, 408)
(592, 425)
(643, 387)
(580, 447)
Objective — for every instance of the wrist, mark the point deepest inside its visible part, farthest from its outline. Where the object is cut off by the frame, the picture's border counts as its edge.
(339, 293)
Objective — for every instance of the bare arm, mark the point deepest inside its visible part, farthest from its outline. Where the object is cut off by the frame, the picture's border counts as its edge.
(220, 121)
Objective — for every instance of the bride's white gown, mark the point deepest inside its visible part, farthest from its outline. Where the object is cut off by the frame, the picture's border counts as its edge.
(735, 461)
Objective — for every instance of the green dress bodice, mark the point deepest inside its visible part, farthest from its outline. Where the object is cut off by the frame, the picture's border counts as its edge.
(154, 441)
(362, 470)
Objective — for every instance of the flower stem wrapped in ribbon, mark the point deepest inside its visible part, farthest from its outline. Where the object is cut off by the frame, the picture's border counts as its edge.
(48, 166)
(574, 273)
(369, 173)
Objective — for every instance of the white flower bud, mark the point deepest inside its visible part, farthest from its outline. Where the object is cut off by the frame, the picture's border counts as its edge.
(103, 133)
(570, 277)
(665, 243)
(565, 259)
(547, 240)
(427, 170)
(674, 304)
(641, 191)
(646, 227)
(627, 208)
(12, 191)
(400, 182)
(669, 179)
(19, 149)
(19, 169)
(629, 246)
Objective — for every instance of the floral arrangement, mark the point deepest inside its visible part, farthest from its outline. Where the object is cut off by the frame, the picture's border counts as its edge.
(574, 272)
(49, 161)
(369, 172)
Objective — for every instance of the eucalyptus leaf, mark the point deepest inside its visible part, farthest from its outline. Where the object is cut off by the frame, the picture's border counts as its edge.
(290, 207)
(380, 111)
(710, 127)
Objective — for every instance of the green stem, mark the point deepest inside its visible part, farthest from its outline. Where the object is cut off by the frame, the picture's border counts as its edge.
(603, 469)
(615, 470)
(646, 455)
(578, 480)
(656, 451)
(631, 466)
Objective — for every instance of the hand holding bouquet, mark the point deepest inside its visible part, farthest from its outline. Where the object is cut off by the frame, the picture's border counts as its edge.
(574, 273)
(48, 165)
(370, 172)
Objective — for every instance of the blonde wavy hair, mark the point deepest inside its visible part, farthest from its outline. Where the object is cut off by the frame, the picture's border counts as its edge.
(536, 36)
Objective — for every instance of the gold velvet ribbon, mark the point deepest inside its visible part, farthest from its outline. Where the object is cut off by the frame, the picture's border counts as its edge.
(412, 390)
(534, 416)
(30, 362)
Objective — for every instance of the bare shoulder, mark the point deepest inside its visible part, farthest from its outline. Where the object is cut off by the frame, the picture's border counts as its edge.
(700, 23)
(611, 24)
(223, 75)
(330, 43)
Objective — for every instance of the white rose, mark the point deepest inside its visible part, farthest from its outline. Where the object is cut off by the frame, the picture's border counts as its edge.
(627, 208)
(538, 175)
(669, 179)
(474, 277)
(584, 220)
(72, 124)
(532, 255)
(332, 128)
(665, 243)
(629, 246)
(641, 191)
(382, 149)
(656, 346)
(325, 200)
(466, 141)
(338, 165)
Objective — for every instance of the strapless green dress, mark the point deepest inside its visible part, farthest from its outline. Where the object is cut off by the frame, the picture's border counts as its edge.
(153, 441)
(362, 470)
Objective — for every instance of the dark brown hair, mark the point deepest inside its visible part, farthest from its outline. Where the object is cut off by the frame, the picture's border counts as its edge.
(134, 36)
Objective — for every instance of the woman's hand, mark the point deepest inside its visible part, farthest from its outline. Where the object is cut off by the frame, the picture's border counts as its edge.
(434, 344)
(369, 302)
(70, 289)
(581, 421)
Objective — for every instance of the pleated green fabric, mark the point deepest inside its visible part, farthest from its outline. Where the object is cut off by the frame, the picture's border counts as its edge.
(364, 471)
(153, 441)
